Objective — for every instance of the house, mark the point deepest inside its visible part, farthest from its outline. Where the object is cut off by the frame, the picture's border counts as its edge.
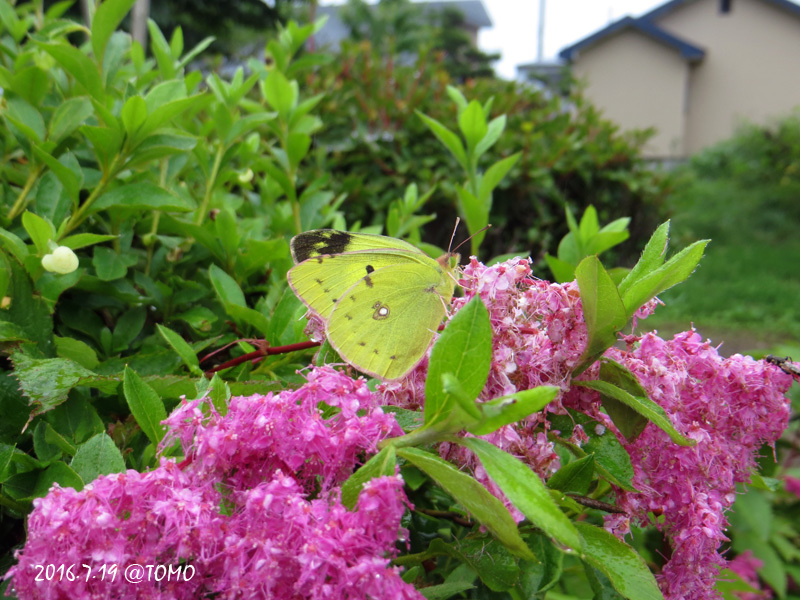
(694, 70)
(334, 31)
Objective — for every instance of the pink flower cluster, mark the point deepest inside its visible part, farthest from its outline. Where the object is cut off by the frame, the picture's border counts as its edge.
(538, 336)
(236, 522)
(730, 407)
(745, 566)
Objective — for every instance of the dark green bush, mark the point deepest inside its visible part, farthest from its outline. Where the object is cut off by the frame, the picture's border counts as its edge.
(374, 144)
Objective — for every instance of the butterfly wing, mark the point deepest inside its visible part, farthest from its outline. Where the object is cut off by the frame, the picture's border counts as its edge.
(322, 280)
(384, 324)
(320, 242)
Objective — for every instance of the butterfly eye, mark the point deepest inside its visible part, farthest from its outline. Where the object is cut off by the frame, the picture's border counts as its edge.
(381, 311)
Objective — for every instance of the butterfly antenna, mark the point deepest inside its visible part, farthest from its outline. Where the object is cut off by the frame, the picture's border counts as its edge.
(468, 239)
(452, 237)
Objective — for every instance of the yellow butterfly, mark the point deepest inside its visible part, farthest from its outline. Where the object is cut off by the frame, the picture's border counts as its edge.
(382, 299)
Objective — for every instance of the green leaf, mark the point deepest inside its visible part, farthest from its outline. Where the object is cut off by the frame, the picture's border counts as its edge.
(525, 490)
(575, 477)
(134, 114)
(562, 270)
(476, 213)
(26, 118)
(109, 265)
(642, 405)
(487, 558)
(493, 133)
(602, 241)
(106, 19)
(161, 50)
(629, 422)
(142, 196)
(12, 244)
(625, 569)
(494, 175)
(77, 351)
(602, 307)
(98, 456)
(183, 349)
(48, 381)
(128, 327)
(59, 472)
(448, 138)
(673, 272)
(279, 93)
(226, 287)
(39, 230)
(383, 463)
(106, 142)
(464, 349)
(475, 498)
(81, 240)
(652, 257)
(457, 97)
(78, 65)
(512, 408)
(589, 225)
(69, 115)
(146, 407)
(472, 123)
(612, 461)
(68, 178)
(244, 314)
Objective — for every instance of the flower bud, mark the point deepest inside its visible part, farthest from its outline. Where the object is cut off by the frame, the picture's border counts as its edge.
(62, 260)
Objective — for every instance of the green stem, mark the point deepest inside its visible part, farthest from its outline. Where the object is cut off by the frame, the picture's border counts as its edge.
(162, 181)
(22, 200)
(210, 187)
(78, 217)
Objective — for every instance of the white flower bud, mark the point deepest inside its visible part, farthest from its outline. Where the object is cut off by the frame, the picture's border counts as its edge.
(62, 260)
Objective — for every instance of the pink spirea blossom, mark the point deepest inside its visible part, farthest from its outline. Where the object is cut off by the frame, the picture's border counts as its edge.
(286, 431)
(745, 565)
(730, 407)
(792, 485)
(236, 513)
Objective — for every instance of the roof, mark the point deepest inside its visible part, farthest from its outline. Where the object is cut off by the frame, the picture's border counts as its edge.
(335, 30)
(647, 26)
(474, 11)
(644, 26)
(668, 7)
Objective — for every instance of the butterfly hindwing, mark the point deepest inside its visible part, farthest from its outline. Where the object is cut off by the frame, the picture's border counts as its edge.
(384, 324)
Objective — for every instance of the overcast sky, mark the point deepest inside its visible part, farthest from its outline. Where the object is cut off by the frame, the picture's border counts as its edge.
(566, 21)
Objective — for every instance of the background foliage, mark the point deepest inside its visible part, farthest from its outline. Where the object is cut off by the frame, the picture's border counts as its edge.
(178, 191)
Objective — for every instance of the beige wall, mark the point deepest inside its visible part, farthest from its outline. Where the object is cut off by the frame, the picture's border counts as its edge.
(638, 83)
(751, 71)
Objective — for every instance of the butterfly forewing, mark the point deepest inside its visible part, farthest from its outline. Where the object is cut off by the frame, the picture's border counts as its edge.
(322, 280)
(383, 324)
(319, 242)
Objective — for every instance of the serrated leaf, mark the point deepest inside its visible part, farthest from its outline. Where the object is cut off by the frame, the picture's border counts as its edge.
(48, 381)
